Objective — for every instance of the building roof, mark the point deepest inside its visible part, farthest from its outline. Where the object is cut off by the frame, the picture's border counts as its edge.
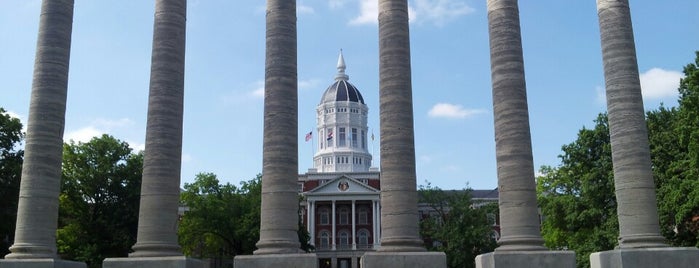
(341, 90)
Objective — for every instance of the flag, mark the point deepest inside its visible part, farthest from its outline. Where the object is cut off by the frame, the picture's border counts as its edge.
(309, 136)
(330, 134)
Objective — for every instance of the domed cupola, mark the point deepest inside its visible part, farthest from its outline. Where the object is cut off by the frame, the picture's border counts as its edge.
(341, 90)
(342, 127)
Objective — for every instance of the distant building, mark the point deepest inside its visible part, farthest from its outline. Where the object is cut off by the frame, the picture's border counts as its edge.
(341, 207)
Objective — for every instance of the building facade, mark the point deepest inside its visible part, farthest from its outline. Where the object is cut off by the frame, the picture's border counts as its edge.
(341, 206)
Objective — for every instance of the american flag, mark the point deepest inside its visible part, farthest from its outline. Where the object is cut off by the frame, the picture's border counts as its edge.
(330, 134)
(309, 136)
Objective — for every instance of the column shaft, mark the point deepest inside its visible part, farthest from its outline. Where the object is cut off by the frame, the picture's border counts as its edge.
(518, 207)
(398, 191)
(633, 178)
(160, 187)
(332, 236)
(354, 227)
(279, 149)
(37, 212)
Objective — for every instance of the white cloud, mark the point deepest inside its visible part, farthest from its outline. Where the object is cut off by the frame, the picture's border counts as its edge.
(22, 119)
(437, 12)
(259, 91)
(335, 4)
(186, 158)
(657, 83)
(83, 135)
(448, 110)
(136, 146)
(304, 9)
(368, 13)
(110, 124)
(601, 95)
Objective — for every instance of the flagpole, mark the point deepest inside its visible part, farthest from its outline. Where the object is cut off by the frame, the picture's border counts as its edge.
(313, 148)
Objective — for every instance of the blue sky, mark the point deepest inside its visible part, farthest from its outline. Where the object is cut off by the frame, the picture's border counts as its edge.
(110, 64)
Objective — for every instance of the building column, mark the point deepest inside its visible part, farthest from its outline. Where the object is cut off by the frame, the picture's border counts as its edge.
(332, 235)
(312, 222)
(375, 224)
(37, 211)
(521, 244)
(640, 242)
(160, 186)
(156, 241)
(354, 228)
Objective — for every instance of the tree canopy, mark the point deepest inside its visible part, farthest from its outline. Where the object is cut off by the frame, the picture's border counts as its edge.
(577, 197)
(456, 225)
(11, 157)
(98, 209)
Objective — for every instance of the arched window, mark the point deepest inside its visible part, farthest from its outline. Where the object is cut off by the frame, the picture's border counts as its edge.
(324, 239)
(362, 216)
(324, 216)
(363, 237)
(344, 216)
(344, 239)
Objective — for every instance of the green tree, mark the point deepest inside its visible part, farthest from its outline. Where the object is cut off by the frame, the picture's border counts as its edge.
(577, 198)
(10, 171)
(674, 135)
(98, 215)
(220, 220)
(456, 225)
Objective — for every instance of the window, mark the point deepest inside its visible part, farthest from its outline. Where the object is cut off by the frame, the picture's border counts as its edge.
(343, 138)
(344, 238)
(354, 137)
(362, 216)
(363, 140)
(324, 216)
(324, 239)
(344, 216)
(363, 237)
(300, 186)
(330, 137)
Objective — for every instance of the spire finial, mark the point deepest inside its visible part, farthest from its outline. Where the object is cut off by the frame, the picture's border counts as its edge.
(341, 68)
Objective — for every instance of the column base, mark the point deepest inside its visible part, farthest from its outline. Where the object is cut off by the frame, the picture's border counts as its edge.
(404, 259)
(40, 263)
(646, 257)
(154, 262)
(543, 259)
(300, 260)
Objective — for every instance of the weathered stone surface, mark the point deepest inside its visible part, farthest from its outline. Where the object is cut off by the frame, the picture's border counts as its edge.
(37, 212)
(276, 260)
(519, 221)
(646, 258)
(404, 260)
(40, 263)
(633, 178)
(279, 211)
(399, 219)
(526, 259)
(154, 262)
(160, 192)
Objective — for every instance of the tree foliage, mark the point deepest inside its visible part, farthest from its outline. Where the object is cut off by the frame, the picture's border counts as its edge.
(98, 209)
(456, 225)
(220, 220)
(577, 197)
(11, 157)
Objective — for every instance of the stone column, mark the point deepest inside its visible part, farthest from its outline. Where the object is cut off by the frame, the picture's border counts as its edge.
(640, 242)
(401, 245)
(37, 212)
(521, 244)
(156, 241)
(279, 243)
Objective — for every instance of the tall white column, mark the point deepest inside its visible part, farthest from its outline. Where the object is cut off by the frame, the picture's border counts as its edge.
(332, 236)
(37, 211)
(354, 228)
(312, 221)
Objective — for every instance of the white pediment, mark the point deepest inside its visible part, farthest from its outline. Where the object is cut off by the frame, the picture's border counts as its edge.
(343, 185)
